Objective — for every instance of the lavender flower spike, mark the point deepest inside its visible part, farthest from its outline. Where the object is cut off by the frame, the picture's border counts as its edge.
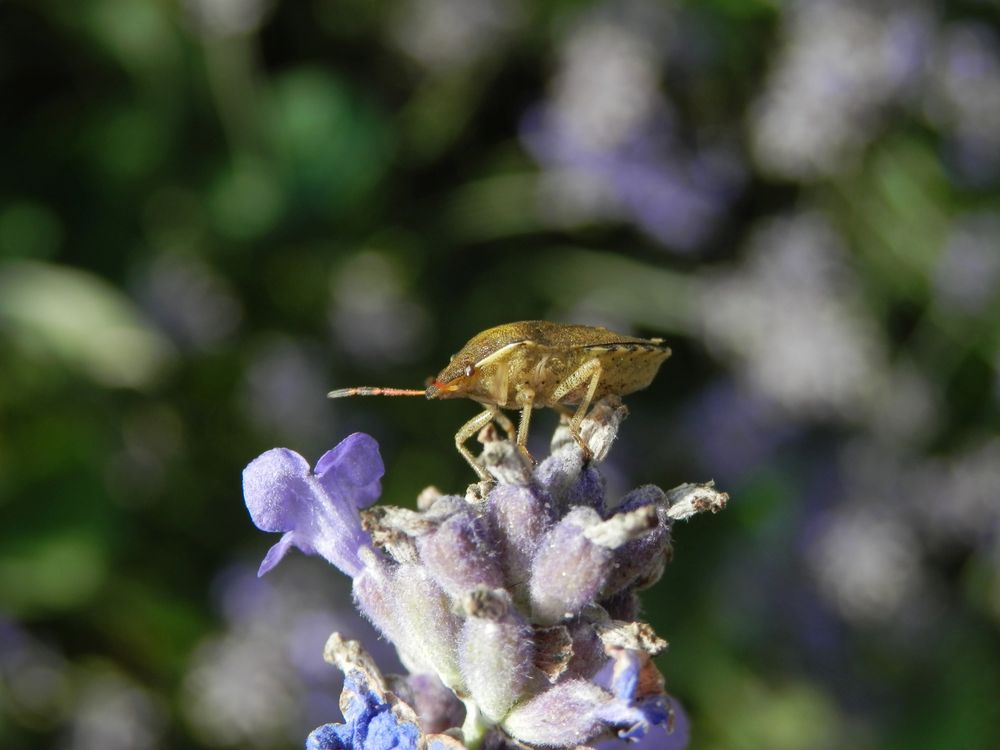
(514, 607)
(318, 510)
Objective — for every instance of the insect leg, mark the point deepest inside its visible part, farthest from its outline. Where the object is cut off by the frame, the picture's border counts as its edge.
(504, 421)
(469, 429)
(588, 370)
(522, 427)
(528, 402)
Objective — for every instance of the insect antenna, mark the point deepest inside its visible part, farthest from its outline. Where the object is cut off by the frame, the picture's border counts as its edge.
(367, 390)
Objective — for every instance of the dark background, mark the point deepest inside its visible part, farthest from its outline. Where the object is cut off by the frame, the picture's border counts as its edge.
(214, 211)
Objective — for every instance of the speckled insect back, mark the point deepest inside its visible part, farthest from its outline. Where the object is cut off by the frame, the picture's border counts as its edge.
(535, 363)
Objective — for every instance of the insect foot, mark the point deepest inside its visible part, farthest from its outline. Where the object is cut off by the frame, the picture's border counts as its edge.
(598, 429)
(515, 610)
(503, 460)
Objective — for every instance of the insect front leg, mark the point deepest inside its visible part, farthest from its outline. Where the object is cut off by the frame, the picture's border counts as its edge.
(527, 403)
(590, 370)
(469, 429)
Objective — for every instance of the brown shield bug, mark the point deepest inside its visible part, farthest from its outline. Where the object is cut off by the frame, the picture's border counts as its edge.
(535, 363)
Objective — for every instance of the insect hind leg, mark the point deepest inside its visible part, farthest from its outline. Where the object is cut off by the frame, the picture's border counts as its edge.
(504, 421)
(591, 371)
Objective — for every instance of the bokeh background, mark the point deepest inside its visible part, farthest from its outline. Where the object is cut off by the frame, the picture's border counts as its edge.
(214, 211)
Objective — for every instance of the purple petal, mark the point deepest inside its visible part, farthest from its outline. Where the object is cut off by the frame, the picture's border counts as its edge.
(631, 716)
(675, 735)
(320, 513)
(634, 720)
(278, 551)
(625, 680)
(275, 487)
(355, 466)
(330, 737)
(371, 723)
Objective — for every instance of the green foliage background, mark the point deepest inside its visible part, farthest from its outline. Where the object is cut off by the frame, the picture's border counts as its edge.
(205, 224)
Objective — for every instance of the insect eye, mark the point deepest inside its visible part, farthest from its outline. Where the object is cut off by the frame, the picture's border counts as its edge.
(469, 370)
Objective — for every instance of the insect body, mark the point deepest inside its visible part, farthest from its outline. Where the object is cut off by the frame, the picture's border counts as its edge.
(535, 363)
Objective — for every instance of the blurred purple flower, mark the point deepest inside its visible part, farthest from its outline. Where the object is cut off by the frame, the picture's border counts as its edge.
(735, 430)
(194, 304)
(675, 198)
(838, 68)
(279, 389)
(963, 98)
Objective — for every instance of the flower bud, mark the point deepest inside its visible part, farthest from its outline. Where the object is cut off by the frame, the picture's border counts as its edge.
(374, 595)
(495, 651)
(569, 569)
(437, 708)
(562, 716)
(559, 473)
(640, 561)
(588, 490)
(519, 517)
(458, 555)
(425, 612)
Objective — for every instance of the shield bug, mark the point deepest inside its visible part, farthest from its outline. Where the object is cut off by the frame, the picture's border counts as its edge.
(532, 364)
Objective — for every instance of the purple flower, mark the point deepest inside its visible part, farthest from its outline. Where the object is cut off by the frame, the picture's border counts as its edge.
(371, 723)
(506, 599)
(317, 510)
(376, 718)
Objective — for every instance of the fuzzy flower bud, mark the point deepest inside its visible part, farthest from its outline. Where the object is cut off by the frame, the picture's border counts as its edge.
(520, 516)
(431, 622)
(563, 716)
(569, 569)
(458, 556)
(496, 651)
(640, 561)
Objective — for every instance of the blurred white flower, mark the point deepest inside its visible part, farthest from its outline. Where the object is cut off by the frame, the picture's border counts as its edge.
(873, 554)
(259, 682)
(958, 498)
(607, 139)
(607, 84)
(570, 196)
(839, 64)
(190, 301)
(789, 319)
(284, 389)
(867, 564)
(964, 94)
(967, 279)
(443, 34)
(114, 713)
(34, 680)
(374, 318)
(241, 691)
(228, 17)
